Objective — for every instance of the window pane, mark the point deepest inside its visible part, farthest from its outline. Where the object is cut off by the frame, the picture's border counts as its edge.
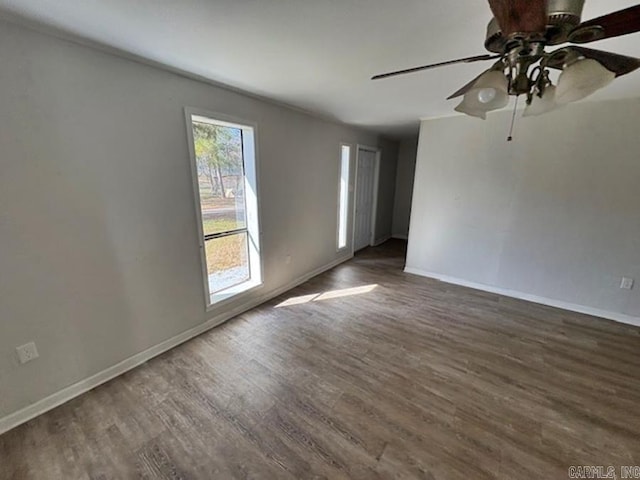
(219, 159)
(227, 261)
(344, 196)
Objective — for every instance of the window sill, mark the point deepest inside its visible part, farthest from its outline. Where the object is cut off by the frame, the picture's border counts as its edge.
(224, 296)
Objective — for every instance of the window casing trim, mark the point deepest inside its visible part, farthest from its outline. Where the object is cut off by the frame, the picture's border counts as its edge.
(252, 229)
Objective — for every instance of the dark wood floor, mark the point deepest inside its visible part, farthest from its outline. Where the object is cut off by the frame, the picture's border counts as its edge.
(388, 375)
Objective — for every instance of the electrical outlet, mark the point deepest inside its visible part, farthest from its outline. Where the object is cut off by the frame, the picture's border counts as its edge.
(626, 283)
(287, 259)
(27, 352)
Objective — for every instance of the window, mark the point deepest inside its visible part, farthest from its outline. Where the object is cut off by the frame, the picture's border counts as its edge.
(224, 171)
(343, 196)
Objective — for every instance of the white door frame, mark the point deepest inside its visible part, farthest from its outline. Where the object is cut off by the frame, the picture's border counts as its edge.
(376, 182)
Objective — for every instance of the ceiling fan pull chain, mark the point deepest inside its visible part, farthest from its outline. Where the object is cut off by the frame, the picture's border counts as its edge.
(513, 119)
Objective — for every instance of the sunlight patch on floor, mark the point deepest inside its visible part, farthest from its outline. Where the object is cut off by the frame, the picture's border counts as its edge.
(317, 297)
(297, 300)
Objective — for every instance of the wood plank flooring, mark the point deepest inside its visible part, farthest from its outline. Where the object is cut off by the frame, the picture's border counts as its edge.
(364, 372)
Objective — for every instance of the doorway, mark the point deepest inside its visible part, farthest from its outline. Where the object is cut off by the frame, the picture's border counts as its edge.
(365, 205)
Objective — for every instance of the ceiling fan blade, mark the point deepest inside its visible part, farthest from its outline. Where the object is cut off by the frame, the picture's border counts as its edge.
(522, 16)
(615, 24)
(478, 58)
(618, 64)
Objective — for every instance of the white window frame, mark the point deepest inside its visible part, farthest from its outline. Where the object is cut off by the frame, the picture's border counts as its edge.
(347, 210)
(252, 204)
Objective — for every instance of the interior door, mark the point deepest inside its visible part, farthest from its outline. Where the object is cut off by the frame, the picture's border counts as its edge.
(365, 181)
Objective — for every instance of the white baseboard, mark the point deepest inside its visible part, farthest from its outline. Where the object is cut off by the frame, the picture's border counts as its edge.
(62, 396)
(381, 240)
(400, 236)
(617, 317)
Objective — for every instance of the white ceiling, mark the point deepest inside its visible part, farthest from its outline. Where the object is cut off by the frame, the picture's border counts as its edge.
(313, 54)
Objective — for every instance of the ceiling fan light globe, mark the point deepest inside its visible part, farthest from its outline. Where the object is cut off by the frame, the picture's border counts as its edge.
(581, 79)
(490, 92)
(494, 100)
(493, 79)
(465, 108)
(544, 104)
(487, 95)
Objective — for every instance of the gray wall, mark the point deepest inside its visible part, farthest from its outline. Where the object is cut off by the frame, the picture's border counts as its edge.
(404, 186)
(98, 245)
(554, 214)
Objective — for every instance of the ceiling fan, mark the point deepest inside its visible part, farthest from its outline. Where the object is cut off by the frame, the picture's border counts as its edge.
(518, 35)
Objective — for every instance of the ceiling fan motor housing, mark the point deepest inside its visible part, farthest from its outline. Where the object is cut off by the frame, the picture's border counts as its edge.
(563, 17)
